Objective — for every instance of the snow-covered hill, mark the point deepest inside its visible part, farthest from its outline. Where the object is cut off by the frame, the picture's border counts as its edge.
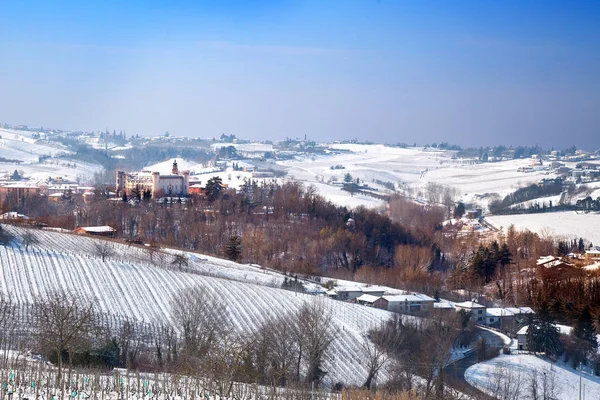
(128, 284)
(511, 376)
(24, 152)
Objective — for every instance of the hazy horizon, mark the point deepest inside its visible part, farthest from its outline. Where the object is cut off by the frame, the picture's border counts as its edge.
(469, 73)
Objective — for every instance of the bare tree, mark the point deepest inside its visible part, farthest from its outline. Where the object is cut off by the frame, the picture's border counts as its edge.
(8, 325)
(103, 249)
(29, 238)
(506, 383)
(316, 333)
(377, 354)
(202, 321)
(181, 260)
(270, 356)
(64, 321)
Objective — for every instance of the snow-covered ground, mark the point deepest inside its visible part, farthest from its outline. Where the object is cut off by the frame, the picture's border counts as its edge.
(368, 163)
(129, 285)
(569, 224)
(411, 170)
(476, 181)
(26, 150)
(541, 201)
(514, 373)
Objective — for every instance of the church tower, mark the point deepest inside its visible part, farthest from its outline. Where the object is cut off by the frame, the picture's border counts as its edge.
(175, 170)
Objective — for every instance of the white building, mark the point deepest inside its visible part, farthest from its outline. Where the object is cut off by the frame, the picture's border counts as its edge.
(157, 185)
(477, 310)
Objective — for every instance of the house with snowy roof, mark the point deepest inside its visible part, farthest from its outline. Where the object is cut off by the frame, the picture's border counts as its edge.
(105, 230)
(345, 293)
(522, 334)
(477, 310)
(367, 299)
(406, 303)
(593, 253)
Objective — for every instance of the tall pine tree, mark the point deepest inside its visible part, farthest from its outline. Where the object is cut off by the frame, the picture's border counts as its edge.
(542, 335)
(585, 329)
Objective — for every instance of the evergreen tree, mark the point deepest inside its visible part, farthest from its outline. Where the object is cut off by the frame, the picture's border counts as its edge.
(213, 189)
(542, 335)
(581, 246)
(562, 249)
(459, 210)
(585, 329)
(233, 250)
(505, 257)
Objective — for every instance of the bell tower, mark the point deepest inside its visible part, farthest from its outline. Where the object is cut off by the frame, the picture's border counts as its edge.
(175, 170)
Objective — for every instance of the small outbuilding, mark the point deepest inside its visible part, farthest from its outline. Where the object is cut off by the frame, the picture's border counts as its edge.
(105, 230)
(367, 299)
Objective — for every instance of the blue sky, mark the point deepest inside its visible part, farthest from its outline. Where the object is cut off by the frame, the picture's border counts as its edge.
(467, 72)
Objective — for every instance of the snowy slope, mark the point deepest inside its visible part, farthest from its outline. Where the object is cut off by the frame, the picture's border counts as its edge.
(128, 286)
(518, 370)
(22, 147)
(570, 224)
(411, 170)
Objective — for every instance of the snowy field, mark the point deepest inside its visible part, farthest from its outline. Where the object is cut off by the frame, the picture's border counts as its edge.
(21, 146)
(128, 284)
(568, 224)
(512, 375)
(476, 180)
(541, 201)
(410, 170)
(368, 163)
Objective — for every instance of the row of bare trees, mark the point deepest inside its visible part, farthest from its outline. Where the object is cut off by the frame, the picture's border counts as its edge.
(281, 350)
(203, 340)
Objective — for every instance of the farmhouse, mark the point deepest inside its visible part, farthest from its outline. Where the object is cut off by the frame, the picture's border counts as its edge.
(346, 292)
(406, 303)
(550, 262)
(477, 310)
(522, 334)
(593, 253)
(97, 231)
(367, 299)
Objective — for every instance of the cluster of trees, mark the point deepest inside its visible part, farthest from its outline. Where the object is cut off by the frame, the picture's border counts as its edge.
(280, 226)
(202, 341)
(589, 204)
(486, 259)
(282, 350)
(564, 247)
(526, 193)
(418, 348)
(579, 347)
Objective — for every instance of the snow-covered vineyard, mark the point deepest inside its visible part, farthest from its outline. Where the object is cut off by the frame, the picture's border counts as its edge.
(27, 378)
(128, 285)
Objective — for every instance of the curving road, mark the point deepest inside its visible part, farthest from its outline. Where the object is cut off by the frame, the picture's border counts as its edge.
(455, 372)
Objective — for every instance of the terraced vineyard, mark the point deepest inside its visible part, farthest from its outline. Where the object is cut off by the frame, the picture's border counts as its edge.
(128, 285)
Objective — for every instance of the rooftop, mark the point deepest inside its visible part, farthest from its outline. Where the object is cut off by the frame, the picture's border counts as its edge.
(367, 298)
(97, 229)
(469, 304)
